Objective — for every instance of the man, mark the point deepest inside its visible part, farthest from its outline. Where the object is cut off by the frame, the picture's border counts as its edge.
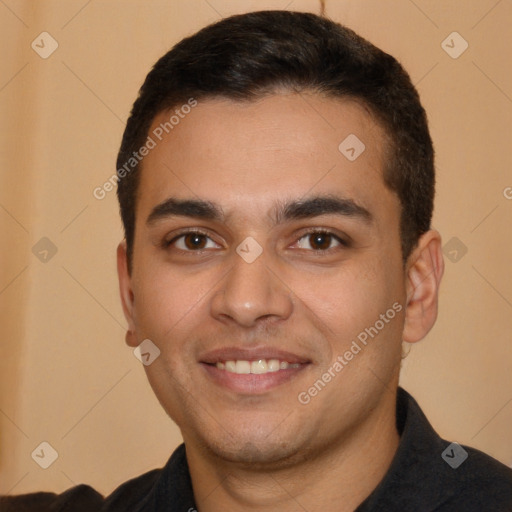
(276, 185)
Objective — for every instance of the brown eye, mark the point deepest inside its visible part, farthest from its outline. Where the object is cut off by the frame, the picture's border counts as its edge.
(192, 241)
(319, 241)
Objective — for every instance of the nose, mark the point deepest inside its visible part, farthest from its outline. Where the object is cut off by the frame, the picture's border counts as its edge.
(251, 293)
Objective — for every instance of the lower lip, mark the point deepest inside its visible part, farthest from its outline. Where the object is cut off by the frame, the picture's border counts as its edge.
(251, 383)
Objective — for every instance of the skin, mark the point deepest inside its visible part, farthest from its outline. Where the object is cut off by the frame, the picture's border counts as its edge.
(263, 449)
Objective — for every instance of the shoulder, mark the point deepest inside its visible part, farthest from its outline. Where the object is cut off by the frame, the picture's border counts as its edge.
(150, 491)
(463, 477)
(133, 494)
(83, 498)
(429, 473)
(479, 483)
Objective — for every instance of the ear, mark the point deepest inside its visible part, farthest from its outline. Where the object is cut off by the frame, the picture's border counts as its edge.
(425, 267)
(127, 296)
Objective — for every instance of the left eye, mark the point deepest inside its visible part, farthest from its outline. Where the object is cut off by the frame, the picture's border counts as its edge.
(319, 241)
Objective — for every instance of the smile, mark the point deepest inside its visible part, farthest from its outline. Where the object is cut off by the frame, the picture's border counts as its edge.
(260, 366)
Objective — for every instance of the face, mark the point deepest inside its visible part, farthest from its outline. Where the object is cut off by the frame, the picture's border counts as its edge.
(267, 270)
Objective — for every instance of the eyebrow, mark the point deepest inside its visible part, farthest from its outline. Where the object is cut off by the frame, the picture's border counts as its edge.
(282, 211)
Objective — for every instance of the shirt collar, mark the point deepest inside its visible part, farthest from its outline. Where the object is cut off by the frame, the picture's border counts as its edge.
(417, 477)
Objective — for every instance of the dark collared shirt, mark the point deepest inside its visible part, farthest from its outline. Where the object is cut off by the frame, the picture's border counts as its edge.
(427, 474)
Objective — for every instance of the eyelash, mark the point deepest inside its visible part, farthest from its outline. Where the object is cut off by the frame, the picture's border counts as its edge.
(312, 231)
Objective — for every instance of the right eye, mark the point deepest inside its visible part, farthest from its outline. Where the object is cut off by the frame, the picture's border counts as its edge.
(192, 241)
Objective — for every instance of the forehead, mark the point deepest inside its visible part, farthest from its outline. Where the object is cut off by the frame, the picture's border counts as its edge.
(248, 155)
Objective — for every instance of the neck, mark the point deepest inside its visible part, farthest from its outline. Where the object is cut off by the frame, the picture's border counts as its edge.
(339, 478)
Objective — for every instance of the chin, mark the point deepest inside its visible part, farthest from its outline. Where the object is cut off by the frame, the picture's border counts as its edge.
(262, 451)
(254, 456)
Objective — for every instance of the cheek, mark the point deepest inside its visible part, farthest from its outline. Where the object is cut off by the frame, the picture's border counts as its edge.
(345, 297)
(166, 299)
(351, 301)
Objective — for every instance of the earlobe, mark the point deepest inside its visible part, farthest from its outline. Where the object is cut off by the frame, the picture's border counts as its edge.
(126, 292)
(425, 269)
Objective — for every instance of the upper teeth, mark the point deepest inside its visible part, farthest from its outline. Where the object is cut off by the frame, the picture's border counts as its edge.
(259, 366)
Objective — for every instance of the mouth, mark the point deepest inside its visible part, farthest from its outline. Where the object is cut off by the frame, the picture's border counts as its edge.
(252, 371)
(258, 367)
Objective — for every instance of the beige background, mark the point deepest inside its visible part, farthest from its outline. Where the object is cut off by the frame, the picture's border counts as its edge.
(66, 376)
